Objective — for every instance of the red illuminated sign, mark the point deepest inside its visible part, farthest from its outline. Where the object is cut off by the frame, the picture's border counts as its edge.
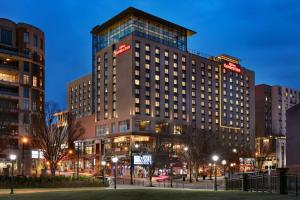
(232, 67)
(121, 49)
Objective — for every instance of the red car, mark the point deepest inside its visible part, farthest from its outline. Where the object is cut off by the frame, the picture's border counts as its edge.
(161, 178)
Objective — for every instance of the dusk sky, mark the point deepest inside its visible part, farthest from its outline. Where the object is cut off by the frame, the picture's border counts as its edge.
(264, 34)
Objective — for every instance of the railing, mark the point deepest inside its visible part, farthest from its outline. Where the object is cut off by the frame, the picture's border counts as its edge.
(277, 183)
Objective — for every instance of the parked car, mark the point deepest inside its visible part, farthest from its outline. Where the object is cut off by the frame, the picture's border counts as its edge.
(161, 178)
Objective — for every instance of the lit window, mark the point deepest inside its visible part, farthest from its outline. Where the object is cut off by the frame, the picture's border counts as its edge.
(147, 66)
(147, 48)
(166, 54)
(137, 100)
(157, 51)
(137, 82)
(157, 103)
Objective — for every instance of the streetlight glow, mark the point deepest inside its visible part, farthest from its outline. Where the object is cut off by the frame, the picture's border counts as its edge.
(136, 146)
(25, 140)
(234, 150)
(215, 158)
(13, 157)
(185, 148)
(115, 159)
(224, 162)
(103, 163)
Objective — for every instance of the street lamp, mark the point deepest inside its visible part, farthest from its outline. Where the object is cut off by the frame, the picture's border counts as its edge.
(215, 158)
(24, 141)
(12, 157)
(186, 149)
(234, 150)
(115, 160)
(103, 163)
(230, 171)
(210, 171)
(224, 166)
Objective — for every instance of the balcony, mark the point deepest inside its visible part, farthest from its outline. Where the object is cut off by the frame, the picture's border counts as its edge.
(9, 66)
(9, 91)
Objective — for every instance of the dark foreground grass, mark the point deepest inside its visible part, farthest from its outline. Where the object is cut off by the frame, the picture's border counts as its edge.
(150, 194)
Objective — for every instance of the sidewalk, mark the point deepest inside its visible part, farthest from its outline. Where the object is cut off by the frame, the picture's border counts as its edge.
(38, 190)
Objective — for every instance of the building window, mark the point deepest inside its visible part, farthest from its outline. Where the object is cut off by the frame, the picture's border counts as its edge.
(35, 40)
(26, 37)
(26, 104)
(26, 66)
(177, 130)
(143, 125)
(26, 92)
(34, 81)
(124, 126)
(26, 118)
(6, 36)
(102, 130)
(26, 79)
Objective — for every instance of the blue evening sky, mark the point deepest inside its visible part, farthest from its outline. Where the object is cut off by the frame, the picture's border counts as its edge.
(264, 34)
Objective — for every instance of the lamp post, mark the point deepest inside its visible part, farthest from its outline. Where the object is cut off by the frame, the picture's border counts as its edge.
(210, 171)
(215, 158)
(230, 171)
(78, 159)
(12, 157)
(224, 166)
(103, 163)
(186, 149)
(115, 161)
(24, 141)
(132, 163)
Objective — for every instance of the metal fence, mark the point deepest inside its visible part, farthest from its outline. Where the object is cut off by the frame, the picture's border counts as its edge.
(276, 183)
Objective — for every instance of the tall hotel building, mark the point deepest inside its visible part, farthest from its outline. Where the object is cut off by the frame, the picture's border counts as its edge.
(79, 96)
(22, 58)
(146, 81)
(272, 102)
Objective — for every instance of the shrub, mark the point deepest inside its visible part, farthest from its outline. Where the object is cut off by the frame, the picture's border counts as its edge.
(50, 182)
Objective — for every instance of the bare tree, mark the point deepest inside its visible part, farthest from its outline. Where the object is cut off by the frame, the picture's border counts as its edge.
(201, 146)
(265, 147)
(55, 137)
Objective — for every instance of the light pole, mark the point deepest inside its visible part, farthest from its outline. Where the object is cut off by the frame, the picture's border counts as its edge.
(12, 157)
(230, 171)
(78, 159)
(215, 158)
(24, 141)
(103, 163)
(210, 171)
(115, 161)
(171, 177)
(224, 166)
(132, 163)
(186, 149)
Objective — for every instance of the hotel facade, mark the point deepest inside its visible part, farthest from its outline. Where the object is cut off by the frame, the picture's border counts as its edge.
(145, 81)
(272, 103)
(79, 96)
(22, 75)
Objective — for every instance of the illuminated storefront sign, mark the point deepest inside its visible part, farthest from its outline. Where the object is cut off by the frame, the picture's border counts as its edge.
(142, 160)
(232, 67)
(121, 49)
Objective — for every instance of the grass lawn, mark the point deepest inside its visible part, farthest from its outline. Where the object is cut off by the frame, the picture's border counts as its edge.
(143, 194)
